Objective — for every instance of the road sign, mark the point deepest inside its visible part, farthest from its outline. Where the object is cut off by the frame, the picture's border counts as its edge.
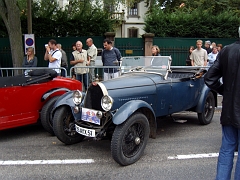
(29, 42)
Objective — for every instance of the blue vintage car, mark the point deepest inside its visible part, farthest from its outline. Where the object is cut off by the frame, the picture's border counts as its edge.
(125, 108)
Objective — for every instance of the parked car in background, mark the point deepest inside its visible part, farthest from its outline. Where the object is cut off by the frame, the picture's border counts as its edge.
(125, 108)
(24, 99)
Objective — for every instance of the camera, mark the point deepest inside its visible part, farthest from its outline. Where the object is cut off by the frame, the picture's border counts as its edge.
(46, 45)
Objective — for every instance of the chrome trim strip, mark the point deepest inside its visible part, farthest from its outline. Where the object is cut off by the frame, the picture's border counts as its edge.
(104, 89)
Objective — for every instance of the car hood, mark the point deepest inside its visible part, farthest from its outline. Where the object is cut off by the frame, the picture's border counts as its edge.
(132, 80)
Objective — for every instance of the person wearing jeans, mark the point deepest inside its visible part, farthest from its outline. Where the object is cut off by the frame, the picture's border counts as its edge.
(83, 78)
(230, 140)
(227, 67)
(111, 56)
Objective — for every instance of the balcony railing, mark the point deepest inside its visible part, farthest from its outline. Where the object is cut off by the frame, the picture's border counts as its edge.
(118, 16)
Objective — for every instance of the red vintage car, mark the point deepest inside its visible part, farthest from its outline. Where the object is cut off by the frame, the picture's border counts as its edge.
(25, 100)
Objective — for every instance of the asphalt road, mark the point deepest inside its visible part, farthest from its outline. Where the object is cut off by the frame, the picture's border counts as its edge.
(158, 162)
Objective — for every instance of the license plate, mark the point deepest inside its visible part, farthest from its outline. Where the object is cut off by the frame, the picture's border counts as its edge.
(85, 131)
(89, 115)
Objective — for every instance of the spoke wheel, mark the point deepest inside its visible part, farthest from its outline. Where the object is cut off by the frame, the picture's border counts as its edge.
(64, 126)
(129, 139)
(209, 108)
(132, 140)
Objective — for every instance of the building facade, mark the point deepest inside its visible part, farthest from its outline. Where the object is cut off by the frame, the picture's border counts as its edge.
(130, 19)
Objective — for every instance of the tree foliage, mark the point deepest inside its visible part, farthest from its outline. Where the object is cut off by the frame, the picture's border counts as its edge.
(209, 19)
(172, 5)
(79, 18)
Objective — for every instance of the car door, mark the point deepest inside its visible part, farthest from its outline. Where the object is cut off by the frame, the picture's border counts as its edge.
(184, 94)
(19, 106)
(163, 98)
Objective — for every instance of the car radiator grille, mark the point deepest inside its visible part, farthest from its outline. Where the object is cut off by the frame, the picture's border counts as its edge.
(93, 98)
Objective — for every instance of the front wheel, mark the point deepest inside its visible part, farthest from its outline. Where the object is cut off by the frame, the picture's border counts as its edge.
(130, 139)
(209, 107)
(64, 126)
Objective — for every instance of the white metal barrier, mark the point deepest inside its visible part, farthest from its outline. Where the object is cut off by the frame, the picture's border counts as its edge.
(127, 64)
(5, 72)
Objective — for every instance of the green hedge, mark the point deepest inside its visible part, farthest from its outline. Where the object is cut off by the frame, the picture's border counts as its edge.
(192, 24)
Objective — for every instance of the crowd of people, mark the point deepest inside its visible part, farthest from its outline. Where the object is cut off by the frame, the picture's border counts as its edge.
(203, 56)
(57, 58)
(111, 56)
(198, 56)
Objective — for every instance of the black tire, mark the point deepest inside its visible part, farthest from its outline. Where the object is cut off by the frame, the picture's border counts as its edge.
(46, 119)
(130, 139)
(64, 126)
(209, 108)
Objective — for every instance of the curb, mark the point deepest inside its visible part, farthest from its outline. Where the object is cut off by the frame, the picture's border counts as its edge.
(219, 109)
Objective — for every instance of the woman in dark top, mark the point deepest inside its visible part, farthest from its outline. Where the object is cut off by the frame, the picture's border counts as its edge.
(30, 60)
(188, 60)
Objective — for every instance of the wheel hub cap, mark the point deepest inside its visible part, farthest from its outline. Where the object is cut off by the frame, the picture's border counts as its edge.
(137, 140)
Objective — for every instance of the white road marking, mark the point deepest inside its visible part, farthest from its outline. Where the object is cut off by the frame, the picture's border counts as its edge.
(41, 162)
(194, 156)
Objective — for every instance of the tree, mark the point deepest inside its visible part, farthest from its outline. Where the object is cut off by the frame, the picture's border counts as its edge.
(194, 19)
(206, 5)
(10, 14)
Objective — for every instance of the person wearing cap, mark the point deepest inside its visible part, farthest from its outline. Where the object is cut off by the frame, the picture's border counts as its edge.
(207, 46)
(227, 67)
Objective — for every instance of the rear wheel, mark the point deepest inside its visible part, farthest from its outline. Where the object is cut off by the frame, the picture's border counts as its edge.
(64, 126)
(209, 107)
(46, 118)
(129, 139)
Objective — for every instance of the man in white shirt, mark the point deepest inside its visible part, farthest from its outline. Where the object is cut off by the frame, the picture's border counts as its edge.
(199, 55)
(53, 55)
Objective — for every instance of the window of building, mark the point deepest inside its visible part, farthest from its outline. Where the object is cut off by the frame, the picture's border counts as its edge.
(132, 32)
(108, 6)
(133, 11)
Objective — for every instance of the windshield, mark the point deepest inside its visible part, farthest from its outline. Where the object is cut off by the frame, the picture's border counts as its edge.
(157, 64)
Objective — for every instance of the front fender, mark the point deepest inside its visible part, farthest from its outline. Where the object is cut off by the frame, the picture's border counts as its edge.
(52, 91)
(66, 99)
(128, 109)
(201, 103)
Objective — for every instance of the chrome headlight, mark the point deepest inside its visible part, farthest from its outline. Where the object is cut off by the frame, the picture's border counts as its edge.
(77, 97)
(106, 102)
